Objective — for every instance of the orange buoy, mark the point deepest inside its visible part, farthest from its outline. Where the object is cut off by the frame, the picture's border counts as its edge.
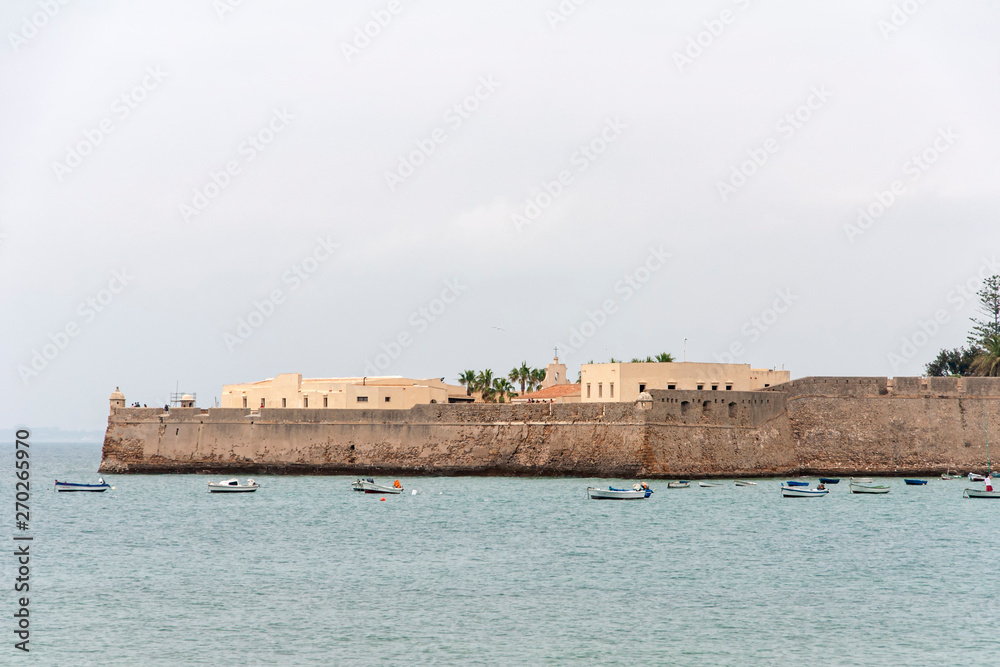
(382, 498)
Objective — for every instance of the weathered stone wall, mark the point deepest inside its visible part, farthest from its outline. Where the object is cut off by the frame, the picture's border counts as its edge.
(816, 425)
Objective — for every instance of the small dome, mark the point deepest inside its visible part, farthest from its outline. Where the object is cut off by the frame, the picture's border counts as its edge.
(645, 397)
(187, 397)
(117, 395)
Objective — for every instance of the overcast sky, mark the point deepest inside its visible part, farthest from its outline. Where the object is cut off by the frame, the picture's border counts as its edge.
(611, 178)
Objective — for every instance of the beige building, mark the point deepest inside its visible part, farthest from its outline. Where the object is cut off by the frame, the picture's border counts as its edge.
(624, 382)
(290, 390)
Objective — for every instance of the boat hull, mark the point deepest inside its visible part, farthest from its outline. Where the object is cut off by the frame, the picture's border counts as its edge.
(979, 493)
(829, 480)
(792, 483)
(875, 490)
(742, 483)
(678, 485)
(371, 487)
(705, 485)
(64, 487)
(915, 482)
(802, 492)
(618, 494)
(219, 488)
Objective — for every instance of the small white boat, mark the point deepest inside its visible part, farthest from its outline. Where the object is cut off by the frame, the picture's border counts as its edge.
(869, 488)
(980, 493)
(802, 492)
(100, 487)
(639, 491)
(861, 480)
(680, 484)
(975, 477)
(369, 486)
(707, 484)
(233, 486)
(947, 476)
(741, 482)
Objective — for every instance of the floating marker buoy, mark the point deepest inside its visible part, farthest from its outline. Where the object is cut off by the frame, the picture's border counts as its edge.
(382, 498)
(414, 492)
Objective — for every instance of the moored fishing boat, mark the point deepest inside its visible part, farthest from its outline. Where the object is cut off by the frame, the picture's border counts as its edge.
(639, 491)
(862, 480)
(100, 487)
(976, 477)
(368, 485)
(741, 482)
(829, 480)
(915, 482)
(679, 484)
(795, 483)
(979, 493)
(947, 476)
(870, 488)
(802, 492)
(233, 486)
(708, 484)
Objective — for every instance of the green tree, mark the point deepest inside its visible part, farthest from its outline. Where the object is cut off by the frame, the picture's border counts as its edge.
(989, 309)
(467, 379)
(502, 388)
(987, 362)
(521, 375)
(665, 358)
(952, 362)
(536, 378)
(484, 384)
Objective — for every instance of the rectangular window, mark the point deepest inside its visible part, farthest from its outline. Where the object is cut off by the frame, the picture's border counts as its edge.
(284, 403)
(767, 385)
(700, 387)
(600, 390)
(326, 401)
(244, 401)
(588, 390)
(642, 387)
(715, 387)
(611, 388)
(305, 401)
(362, 399)
(671, 386)
(386, 399)
(262, 402)
(729, 387)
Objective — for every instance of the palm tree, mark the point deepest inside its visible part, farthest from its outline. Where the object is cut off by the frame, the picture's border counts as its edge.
(987, 362)
(502, 388)
(665, 358)
(635, 360)
(468, 380)
(524, 375)
(484, 383)
(537, 378)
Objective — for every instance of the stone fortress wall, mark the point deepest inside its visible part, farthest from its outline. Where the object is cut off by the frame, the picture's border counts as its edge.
(871, 425)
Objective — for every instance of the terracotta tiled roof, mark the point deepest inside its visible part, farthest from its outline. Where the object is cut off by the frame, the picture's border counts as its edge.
(555, 391)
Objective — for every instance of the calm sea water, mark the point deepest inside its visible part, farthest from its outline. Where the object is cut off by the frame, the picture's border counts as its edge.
(497, 571)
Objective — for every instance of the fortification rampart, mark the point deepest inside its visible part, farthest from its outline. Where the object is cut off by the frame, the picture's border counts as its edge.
(818, 425)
